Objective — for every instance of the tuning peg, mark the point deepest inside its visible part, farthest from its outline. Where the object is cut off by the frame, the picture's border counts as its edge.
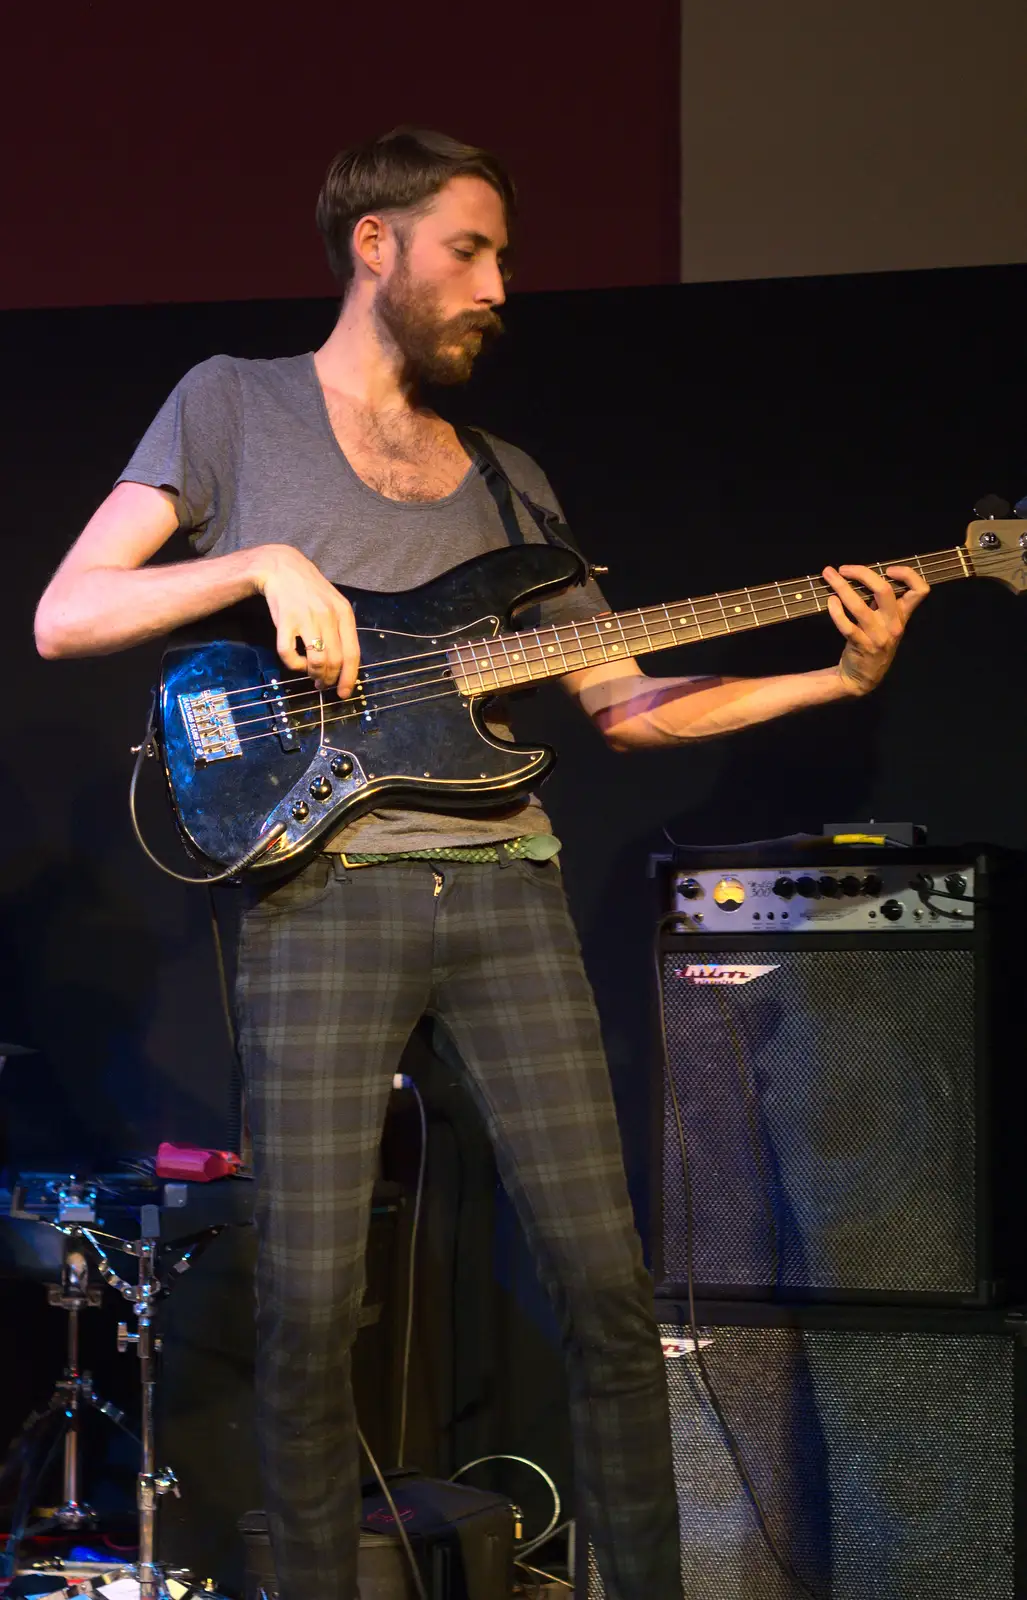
(991, 505)
(1021, 507)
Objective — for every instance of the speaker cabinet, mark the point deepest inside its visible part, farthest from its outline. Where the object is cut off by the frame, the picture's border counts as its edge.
(886, 1449)
(850, 1106)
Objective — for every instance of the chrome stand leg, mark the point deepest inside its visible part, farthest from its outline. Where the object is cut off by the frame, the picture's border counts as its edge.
(150, 1484)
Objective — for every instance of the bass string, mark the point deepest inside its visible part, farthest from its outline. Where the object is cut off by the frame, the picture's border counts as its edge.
(353, 716)
(662, 636)
(539, 652)
(713, 609)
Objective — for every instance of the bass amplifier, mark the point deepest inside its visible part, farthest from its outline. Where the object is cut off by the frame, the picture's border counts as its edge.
(841, 1119)
(886, 1449)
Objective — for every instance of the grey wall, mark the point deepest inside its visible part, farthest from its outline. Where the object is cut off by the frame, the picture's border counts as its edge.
(841, 137)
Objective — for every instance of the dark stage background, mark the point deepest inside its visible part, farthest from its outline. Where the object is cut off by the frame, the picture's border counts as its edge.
(700, 437)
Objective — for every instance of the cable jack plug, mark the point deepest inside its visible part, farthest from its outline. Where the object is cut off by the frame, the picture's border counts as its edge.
(401, 1081)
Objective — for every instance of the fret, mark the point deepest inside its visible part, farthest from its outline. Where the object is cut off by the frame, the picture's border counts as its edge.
(666, 626)
(695, 619)
(474, 667)
(492, 665)
(723, 613)
(581, 647)
(459, 674)
(559, 644)
(550, 649)
(738, 611)
(813, 591)
(917, 564)
(645, 629)
(782, 599)
(621, 647)
(752, 608)
(533, 666)
(519, 660)
(506, 652)
(600, 641)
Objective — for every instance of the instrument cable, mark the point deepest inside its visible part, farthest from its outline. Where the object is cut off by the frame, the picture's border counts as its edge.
(665, 923)
(415, 1571)
(402, 1081)
(149, 748)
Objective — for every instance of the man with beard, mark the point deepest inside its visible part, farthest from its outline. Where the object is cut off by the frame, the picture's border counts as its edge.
(289, 476)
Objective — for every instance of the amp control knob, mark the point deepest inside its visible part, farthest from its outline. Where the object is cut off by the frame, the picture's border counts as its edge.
(320, 789)
(955, 883)
(830, 887)
(342, 766)
(785, 888)
(849, 884)
(871, 884)
(808, 887)
(689, 888)
(892, 909)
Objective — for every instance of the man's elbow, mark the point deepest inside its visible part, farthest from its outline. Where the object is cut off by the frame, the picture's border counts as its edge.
(50, 630)
(46, 634)
(623, 734)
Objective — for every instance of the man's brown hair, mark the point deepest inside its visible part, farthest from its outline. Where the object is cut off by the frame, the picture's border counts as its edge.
(399, 171)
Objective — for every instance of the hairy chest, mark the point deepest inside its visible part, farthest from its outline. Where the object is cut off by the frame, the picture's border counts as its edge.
(410, 459)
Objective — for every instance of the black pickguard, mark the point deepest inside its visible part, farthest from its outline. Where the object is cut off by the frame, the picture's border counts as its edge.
(422, 745)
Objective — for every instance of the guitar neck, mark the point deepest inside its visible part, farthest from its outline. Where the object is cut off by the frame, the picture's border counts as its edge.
(528, 655)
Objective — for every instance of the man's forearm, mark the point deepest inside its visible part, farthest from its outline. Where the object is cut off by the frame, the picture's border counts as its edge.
(665, 711)
(103, 609)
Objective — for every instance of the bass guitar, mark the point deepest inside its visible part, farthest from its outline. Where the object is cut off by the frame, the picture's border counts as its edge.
(259, 766)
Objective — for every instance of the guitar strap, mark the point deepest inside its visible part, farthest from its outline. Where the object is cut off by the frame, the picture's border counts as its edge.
(549, 523)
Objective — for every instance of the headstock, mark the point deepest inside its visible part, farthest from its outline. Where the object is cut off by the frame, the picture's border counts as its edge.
(997, 548)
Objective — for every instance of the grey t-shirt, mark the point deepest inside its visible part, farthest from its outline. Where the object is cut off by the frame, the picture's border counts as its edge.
(247, 448)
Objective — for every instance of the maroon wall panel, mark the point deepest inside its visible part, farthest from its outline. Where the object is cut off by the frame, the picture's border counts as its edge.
(175, 153)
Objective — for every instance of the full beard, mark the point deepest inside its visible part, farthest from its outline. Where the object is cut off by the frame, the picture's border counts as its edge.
(435, 349)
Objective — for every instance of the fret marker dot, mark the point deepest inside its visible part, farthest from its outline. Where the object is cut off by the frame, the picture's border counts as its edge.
(798, 597)
(551, 648)
(517, 658)
(681, 620)
(738, 611)
(615, 649)
(607, 624)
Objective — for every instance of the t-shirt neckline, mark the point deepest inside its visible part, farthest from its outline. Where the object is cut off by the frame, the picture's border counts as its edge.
(473, 466)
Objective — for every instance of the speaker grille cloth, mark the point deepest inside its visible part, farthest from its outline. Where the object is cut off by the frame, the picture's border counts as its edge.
(851, 1124)
(883, 1461)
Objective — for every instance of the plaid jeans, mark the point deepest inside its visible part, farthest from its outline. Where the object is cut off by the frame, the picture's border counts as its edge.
(336, 967)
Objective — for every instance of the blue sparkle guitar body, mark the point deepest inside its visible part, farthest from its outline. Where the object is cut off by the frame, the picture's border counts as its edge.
(246, 745)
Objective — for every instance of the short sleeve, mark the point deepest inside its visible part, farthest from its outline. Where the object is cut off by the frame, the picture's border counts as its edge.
(192, 448)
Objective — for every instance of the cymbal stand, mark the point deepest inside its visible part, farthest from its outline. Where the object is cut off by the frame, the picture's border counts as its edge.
(142, 1296)
(61, 1420)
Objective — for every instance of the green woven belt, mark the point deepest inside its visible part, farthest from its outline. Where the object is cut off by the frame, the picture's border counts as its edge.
(531, 846)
